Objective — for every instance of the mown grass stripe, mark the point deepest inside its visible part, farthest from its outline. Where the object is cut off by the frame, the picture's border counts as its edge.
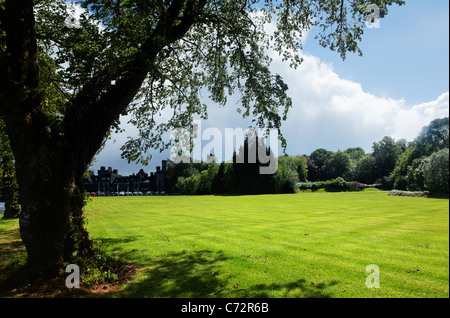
(296, 245)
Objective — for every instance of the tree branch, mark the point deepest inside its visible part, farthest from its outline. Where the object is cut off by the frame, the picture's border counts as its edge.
(99, 103)
(19, 67)
(19, 25)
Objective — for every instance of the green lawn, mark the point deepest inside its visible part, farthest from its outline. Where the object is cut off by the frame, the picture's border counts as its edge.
(290, 245)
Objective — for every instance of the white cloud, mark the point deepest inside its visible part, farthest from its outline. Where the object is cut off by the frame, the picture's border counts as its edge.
(336, 113)
(328, 112)
(75, 11)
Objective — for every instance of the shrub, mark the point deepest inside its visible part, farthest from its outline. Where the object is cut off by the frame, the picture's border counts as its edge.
(401, 183)
(415, 175)
(188, 185)
(402, 193)
(313, 186)
(386, 183)
(436, 172)
(97, 266)
(335, 185)
(286, 182)
(286, 177)
(355, 186)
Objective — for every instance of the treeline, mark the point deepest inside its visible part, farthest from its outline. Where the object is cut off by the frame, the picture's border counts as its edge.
(424, 165)
(242, 175)
(418, 165)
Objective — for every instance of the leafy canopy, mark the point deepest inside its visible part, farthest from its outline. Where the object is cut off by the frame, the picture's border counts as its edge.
(185, 46)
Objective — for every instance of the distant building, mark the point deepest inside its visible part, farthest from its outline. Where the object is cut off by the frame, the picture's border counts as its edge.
(109, 181)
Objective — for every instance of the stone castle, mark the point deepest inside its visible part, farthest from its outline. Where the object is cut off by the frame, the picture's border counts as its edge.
(110, 182)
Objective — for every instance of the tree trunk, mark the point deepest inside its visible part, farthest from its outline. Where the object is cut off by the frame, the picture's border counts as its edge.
(52, 203)
(49, 181)
(44, 224)
(50, 189)
(51, 160)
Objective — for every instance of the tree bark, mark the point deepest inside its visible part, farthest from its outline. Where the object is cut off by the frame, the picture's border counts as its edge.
(49, 188)
(50, 163)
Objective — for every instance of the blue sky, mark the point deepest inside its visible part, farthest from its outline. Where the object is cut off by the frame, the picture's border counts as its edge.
(407, 57)
(398, 86)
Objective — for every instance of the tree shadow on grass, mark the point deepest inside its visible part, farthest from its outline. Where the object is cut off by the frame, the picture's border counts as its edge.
(202, 274)
(187, 274)
(114, 246)
(199, 274)
(191, 274)
(300, 288)
(12, 257)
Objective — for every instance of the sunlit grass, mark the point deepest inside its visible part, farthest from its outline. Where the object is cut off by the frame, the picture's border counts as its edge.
(292, 245)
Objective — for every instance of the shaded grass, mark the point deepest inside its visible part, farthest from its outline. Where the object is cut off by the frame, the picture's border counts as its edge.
(20, 281)
(12, 251)
(293, 245)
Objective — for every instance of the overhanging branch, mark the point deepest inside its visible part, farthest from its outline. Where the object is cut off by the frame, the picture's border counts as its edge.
(101, 101)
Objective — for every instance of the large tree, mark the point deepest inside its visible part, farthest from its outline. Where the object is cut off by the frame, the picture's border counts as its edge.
(386, 153)
(318, 168)
(431, 139)
(64, 84)
(339, 165)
